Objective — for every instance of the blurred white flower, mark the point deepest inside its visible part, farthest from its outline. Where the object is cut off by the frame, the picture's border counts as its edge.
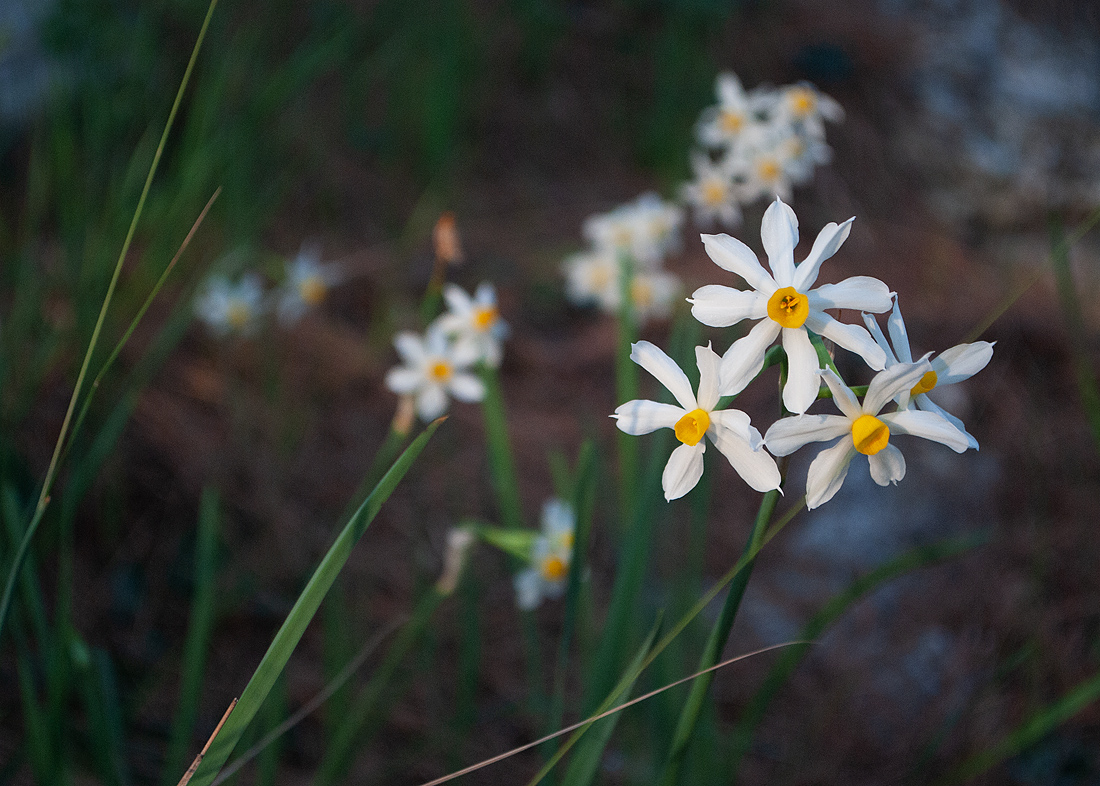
(306, 284)
(862, 429)
(230, 308)
(806, 108)
(736, 120)
(475, 321)
(694, 417)
(592, 278)
(953, 365)
(786, 306)
(434, 369)
(551, 556)
(653, 293)
(645, 230)
(712, 194)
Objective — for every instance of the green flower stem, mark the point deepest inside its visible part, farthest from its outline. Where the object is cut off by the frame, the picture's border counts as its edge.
(501, 461)
(719, 634)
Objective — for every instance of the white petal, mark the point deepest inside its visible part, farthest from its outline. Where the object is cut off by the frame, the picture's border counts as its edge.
(664, 369)
(789, 434)
(843, 396)
(889, 383)
(720, 306)
(879, 337)
(643, 417)
(827, 473)
(745, 357)
(852, 337)
(528, 584)
(898, 334)
(467, 387)
(828, 240)
(961, 362)
(922, 401)
(431, 402)
(779, 233)
(929, 425)
(733, 255)
(486, 294)
(738, 422)
(858, 292)
(887, 466)
(709, 363)
(803, 380)
(683, 470)
(403, 380)
(755, 467)
(457, 299)
(409, 346)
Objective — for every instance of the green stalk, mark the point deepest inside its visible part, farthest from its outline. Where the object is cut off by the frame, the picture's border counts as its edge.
(719, 634)
(501, 461)
(51, 472)
(277, 655)
(627, 388)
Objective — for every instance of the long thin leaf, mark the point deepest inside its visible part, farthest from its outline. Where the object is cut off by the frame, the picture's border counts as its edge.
(299, 617)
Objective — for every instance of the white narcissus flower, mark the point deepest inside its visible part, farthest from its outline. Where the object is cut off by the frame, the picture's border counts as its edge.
(551, 556)
(861, 429)
(786, 305)
(592, 278)
(653, 293)
(645, 230)
(434, 369)
(807, 108)
(306, 285)
(693, 417)
(228, 307)
(475, 321)
(953, 365)
(734, 121)
(713, 194)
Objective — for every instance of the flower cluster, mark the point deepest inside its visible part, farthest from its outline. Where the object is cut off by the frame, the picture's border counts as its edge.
(439, 365)
(757, 143)
(627, 248)
(230, 307)
(790, 308)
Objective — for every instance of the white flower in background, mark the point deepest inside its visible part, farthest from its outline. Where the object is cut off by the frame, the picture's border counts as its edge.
(807, 108)
(230, 308)
(861, 429)
(435, 368)
(551, 556)
(801, 154)
(950, 366)
(765, 172)
(786, 305)
(653, 294)
(306, 284)
(712, 194)
(646, 230)
(736, 118)
(692, 418)
(592, 278)
(475, 321)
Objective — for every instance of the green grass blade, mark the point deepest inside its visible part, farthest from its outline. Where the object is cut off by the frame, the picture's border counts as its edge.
(501, 461)
(47, 483)
(919, 557)
(299, 617)
(355, 728)
(198, 636)
(585, 762)
(1075, 322)
(689, 715)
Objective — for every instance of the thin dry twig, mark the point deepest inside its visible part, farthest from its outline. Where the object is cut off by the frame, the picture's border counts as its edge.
(198, 759)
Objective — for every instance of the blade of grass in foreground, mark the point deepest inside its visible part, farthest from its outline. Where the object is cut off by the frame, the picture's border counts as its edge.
(299, 617)
(51, 472)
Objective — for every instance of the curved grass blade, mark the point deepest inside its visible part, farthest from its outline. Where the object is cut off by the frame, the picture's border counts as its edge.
(299, 617)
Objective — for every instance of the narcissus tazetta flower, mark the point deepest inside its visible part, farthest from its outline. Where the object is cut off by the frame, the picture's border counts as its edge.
(306, 285)
(435, 368)
(551, 556)
(230, 307)
(475, 321)
(692, 418)
(786, 305)
(862, 428)
(952, 365)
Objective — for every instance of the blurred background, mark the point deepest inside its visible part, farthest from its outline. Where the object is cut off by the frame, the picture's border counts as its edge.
(970, 147)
